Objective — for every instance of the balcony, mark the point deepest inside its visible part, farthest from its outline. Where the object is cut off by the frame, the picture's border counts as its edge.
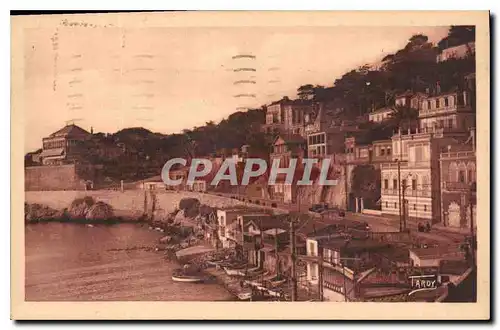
(408, 192)
(458, 154)
(394, 166)
(442, 111)
(456, 186)
(384, 158)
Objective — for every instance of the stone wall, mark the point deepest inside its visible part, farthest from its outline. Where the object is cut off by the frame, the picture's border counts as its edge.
(129, 202)
(58, 177)
(61, 177)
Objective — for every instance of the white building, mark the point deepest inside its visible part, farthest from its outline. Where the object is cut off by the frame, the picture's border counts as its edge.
(380, 115)
(459, 51)
(418, 179)
(227, 219)
(451, 111)
(444, 120)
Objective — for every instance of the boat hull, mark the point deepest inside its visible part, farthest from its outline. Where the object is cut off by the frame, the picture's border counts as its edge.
(186, 279)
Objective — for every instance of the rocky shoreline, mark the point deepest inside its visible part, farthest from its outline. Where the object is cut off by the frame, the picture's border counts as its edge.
(179, 229)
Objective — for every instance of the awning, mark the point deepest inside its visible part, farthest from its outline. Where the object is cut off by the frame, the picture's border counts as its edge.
(52, 152)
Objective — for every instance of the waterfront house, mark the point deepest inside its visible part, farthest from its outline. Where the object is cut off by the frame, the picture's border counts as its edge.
(227, 223)
(336, 261)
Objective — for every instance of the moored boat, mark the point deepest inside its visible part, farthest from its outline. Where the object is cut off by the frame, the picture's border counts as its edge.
(179, 275)
(245, 296)
(234, 270)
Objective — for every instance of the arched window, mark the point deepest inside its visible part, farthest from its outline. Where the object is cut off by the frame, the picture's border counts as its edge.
(471, 172)
(462, 169)
(453, 172)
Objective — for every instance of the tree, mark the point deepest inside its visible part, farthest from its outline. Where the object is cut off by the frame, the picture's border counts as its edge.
(366, 183)
(404, 117)
(458, 35)
(305, 92)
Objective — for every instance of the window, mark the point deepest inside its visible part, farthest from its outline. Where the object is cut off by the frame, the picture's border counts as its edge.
(418, 154)
(425, 208)
(395, 184)
(382, 152)
(404, 184)
(429, 105)
(414, 207)
(437, 103)
(388, 151)
(470, 176)
(461, 176)
(414, 184)
(311, 249)
(313, 272)
(386, 184)
(387, 204)
(395, 205)
(446, 102)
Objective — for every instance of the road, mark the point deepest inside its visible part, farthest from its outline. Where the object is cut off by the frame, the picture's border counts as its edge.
(377, 223)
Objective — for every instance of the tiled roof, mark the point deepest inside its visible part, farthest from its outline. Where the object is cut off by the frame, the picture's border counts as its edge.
(70, 130)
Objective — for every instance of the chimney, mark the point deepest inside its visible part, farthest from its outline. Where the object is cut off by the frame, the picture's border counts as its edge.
(91, 130)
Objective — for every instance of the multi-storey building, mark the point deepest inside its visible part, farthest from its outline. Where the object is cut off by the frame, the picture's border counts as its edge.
(325, 137)
(288, 116)
(380, 115)
(451, 111)
(227, 224)
(285, 148)
(458, 179)
(64, 146)
(412, 177)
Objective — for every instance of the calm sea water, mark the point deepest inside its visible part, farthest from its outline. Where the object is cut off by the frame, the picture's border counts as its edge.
(71, 262)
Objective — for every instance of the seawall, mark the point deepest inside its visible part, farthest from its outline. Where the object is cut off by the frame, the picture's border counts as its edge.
(129, 202)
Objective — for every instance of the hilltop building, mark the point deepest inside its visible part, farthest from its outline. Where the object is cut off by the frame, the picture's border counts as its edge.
(64, 146)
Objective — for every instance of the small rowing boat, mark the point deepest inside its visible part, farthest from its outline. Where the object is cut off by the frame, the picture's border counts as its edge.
(179, 275)
(234, 270)
(245, 296)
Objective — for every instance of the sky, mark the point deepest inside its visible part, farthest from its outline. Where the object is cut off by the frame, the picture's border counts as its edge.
(174, 78)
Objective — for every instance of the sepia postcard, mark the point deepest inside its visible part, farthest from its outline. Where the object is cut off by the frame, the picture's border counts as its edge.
(251, 165)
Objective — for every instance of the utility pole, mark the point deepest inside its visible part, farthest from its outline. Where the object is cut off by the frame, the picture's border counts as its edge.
(276, 248)
(472, 238)
(320, 277)
(294, 260)
(346, 186)
(399, 194)
(403, 188)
